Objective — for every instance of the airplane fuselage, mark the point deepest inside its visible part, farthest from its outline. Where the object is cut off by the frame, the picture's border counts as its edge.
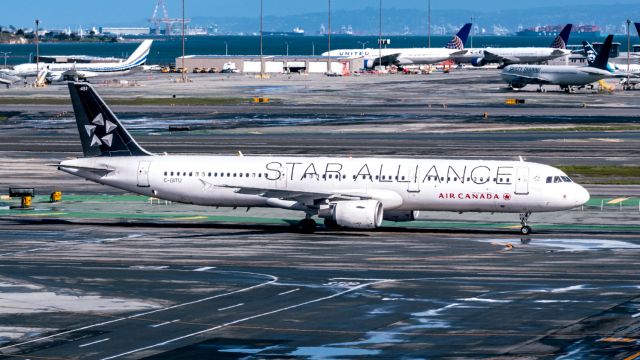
(405, 56)
(564, 76)
(524, 55)
(399, 184)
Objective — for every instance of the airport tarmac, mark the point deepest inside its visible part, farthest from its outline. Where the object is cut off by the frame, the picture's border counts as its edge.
(106, 275)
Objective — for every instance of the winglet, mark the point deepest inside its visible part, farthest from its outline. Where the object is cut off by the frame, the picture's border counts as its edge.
(561, 41)
(459, 40)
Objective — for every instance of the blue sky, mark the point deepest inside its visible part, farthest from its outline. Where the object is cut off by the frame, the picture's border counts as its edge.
(90, 12)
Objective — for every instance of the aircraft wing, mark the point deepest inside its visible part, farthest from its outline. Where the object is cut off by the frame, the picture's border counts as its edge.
(536, 79)
(387, 60)
(302, 196)
(493, 58)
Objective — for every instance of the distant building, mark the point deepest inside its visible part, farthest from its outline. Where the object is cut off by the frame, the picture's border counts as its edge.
(125, 31)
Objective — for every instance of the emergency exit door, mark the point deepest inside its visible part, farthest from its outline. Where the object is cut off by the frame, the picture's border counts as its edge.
(143, 173)
(522, 181)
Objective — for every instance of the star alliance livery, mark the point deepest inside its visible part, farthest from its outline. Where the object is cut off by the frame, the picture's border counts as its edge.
(357, 193)
(63, 71)
(408, 56)
(569, 78)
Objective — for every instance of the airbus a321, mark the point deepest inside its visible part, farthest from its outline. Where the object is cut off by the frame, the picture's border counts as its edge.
(347, 192)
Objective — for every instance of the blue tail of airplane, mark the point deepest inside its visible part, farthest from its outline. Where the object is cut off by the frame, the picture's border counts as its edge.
(459, 40)
(591, 54)
(638, 28)
(561, 41)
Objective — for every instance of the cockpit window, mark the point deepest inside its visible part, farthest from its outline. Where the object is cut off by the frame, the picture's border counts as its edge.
(549, 179)
(566, 179)
(557, 179)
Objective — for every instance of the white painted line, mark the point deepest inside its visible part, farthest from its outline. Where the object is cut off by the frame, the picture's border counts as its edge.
(205, 268)
(231, 307)
(273, 280)
(635, 315)
(165, 323)
(288, 292)
(93, 343)
(246, 319)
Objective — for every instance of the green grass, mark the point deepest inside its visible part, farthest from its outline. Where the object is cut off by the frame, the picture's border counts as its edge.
(188, 101)
(2, 118)
(602, 171)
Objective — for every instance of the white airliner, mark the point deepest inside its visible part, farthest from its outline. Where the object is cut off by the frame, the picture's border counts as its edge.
(65, 71)
(517, 55)
(568, 78)
(408, 56)
(349, 192)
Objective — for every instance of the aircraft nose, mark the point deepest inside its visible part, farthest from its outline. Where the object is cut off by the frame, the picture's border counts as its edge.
(582, 195)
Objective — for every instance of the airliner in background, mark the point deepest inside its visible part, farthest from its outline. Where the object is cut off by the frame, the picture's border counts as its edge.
(346, 192)
(55, 72)
(569, 78)
(408, 56)
(518, 55)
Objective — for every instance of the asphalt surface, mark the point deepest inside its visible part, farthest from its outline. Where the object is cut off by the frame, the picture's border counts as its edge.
(106, 276)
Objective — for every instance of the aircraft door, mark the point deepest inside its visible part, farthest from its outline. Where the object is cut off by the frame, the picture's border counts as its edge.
(143, 173)
(414, 181)
(522, 181)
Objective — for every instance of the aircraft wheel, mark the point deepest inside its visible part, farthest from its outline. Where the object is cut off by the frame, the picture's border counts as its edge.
(525, 230)
(307, 226)
(331, 224)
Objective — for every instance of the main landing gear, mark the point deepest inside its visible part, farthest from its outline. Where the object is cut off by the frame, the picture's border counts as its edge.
(307, 226)
(525, 229)
(541, 89)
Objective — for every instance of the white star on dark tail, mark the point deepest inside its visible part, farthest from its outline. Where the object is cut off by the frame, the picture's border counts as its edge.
(98, 120)
(108, 126)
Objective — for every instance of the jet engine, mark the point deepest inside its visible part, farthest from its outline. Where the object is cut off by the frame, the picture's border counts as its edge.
(355, 214)
(401, 216)
(479, 61)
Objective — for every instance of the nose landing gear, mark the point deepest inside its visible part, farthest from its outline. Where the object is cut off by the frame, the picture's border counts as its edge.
(525, 229)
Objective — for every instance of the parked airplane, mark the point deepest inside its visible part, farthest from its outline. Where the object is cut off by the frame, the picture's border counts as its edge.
(569, 78)
(61, 72)
(344, 191)
(518, 55)
(8, 80)
(408, 56)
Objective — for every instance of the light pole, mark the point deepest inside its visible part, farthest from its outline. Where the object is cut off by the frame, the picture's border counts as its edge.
(628, 50)
(287, 43)
(5, 57)
(380, 38)
(261, 53)
(329, 41)
(37, 47)
(429, 25)
(183, 70)
(363, 43)
(226, 49)
(313, 48)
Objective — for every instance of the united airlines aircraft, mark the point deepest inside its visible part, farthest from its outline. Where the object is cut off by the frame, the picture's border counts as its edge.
(346, 192)
(61, 72)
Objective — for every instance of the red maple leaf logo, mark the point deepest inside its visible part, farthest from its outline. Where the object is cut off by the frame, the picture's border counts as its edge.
(506, 197)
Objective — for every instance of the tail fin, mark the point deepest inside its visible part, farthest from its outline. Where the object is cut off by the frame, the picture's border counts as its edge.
(459, 40)
(637, 28)
(139, 57)
(561, 41)
(591, 54)
(101, 133)
(602, 59)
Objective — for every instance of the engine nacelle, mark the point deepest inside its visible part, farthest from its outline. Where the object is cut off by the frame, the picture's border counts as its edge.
(355, 214)
(401, 216)
(478, 62)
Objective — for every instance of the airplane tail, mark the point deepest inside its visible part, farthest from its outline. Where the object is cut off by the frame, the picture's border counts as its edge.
(459, 40)
(101, 133)
(637, 28)
(139, 57)
(601, 61)
(561, 41)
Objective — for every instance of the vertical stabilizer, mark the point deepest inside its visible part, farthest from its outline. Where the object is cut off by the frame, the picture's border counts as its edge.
(602, 59)
(101, 133)
(561, 41)
(459, 40)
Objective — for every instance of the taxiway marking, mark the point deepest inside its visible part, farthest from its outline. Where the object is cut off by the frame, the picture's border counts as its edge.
(205, 268)
(93, 343)
(165, 323)
(273, 280)
(355, 288)
(288, 292)
(635, 315)
(230, 307)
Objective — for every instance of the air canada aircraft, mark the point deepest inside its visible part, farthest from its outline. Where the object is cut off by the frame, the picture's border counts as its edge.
(518, 55)
(357, 193)
(408, 56)
(61, 72)
(568, 78)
